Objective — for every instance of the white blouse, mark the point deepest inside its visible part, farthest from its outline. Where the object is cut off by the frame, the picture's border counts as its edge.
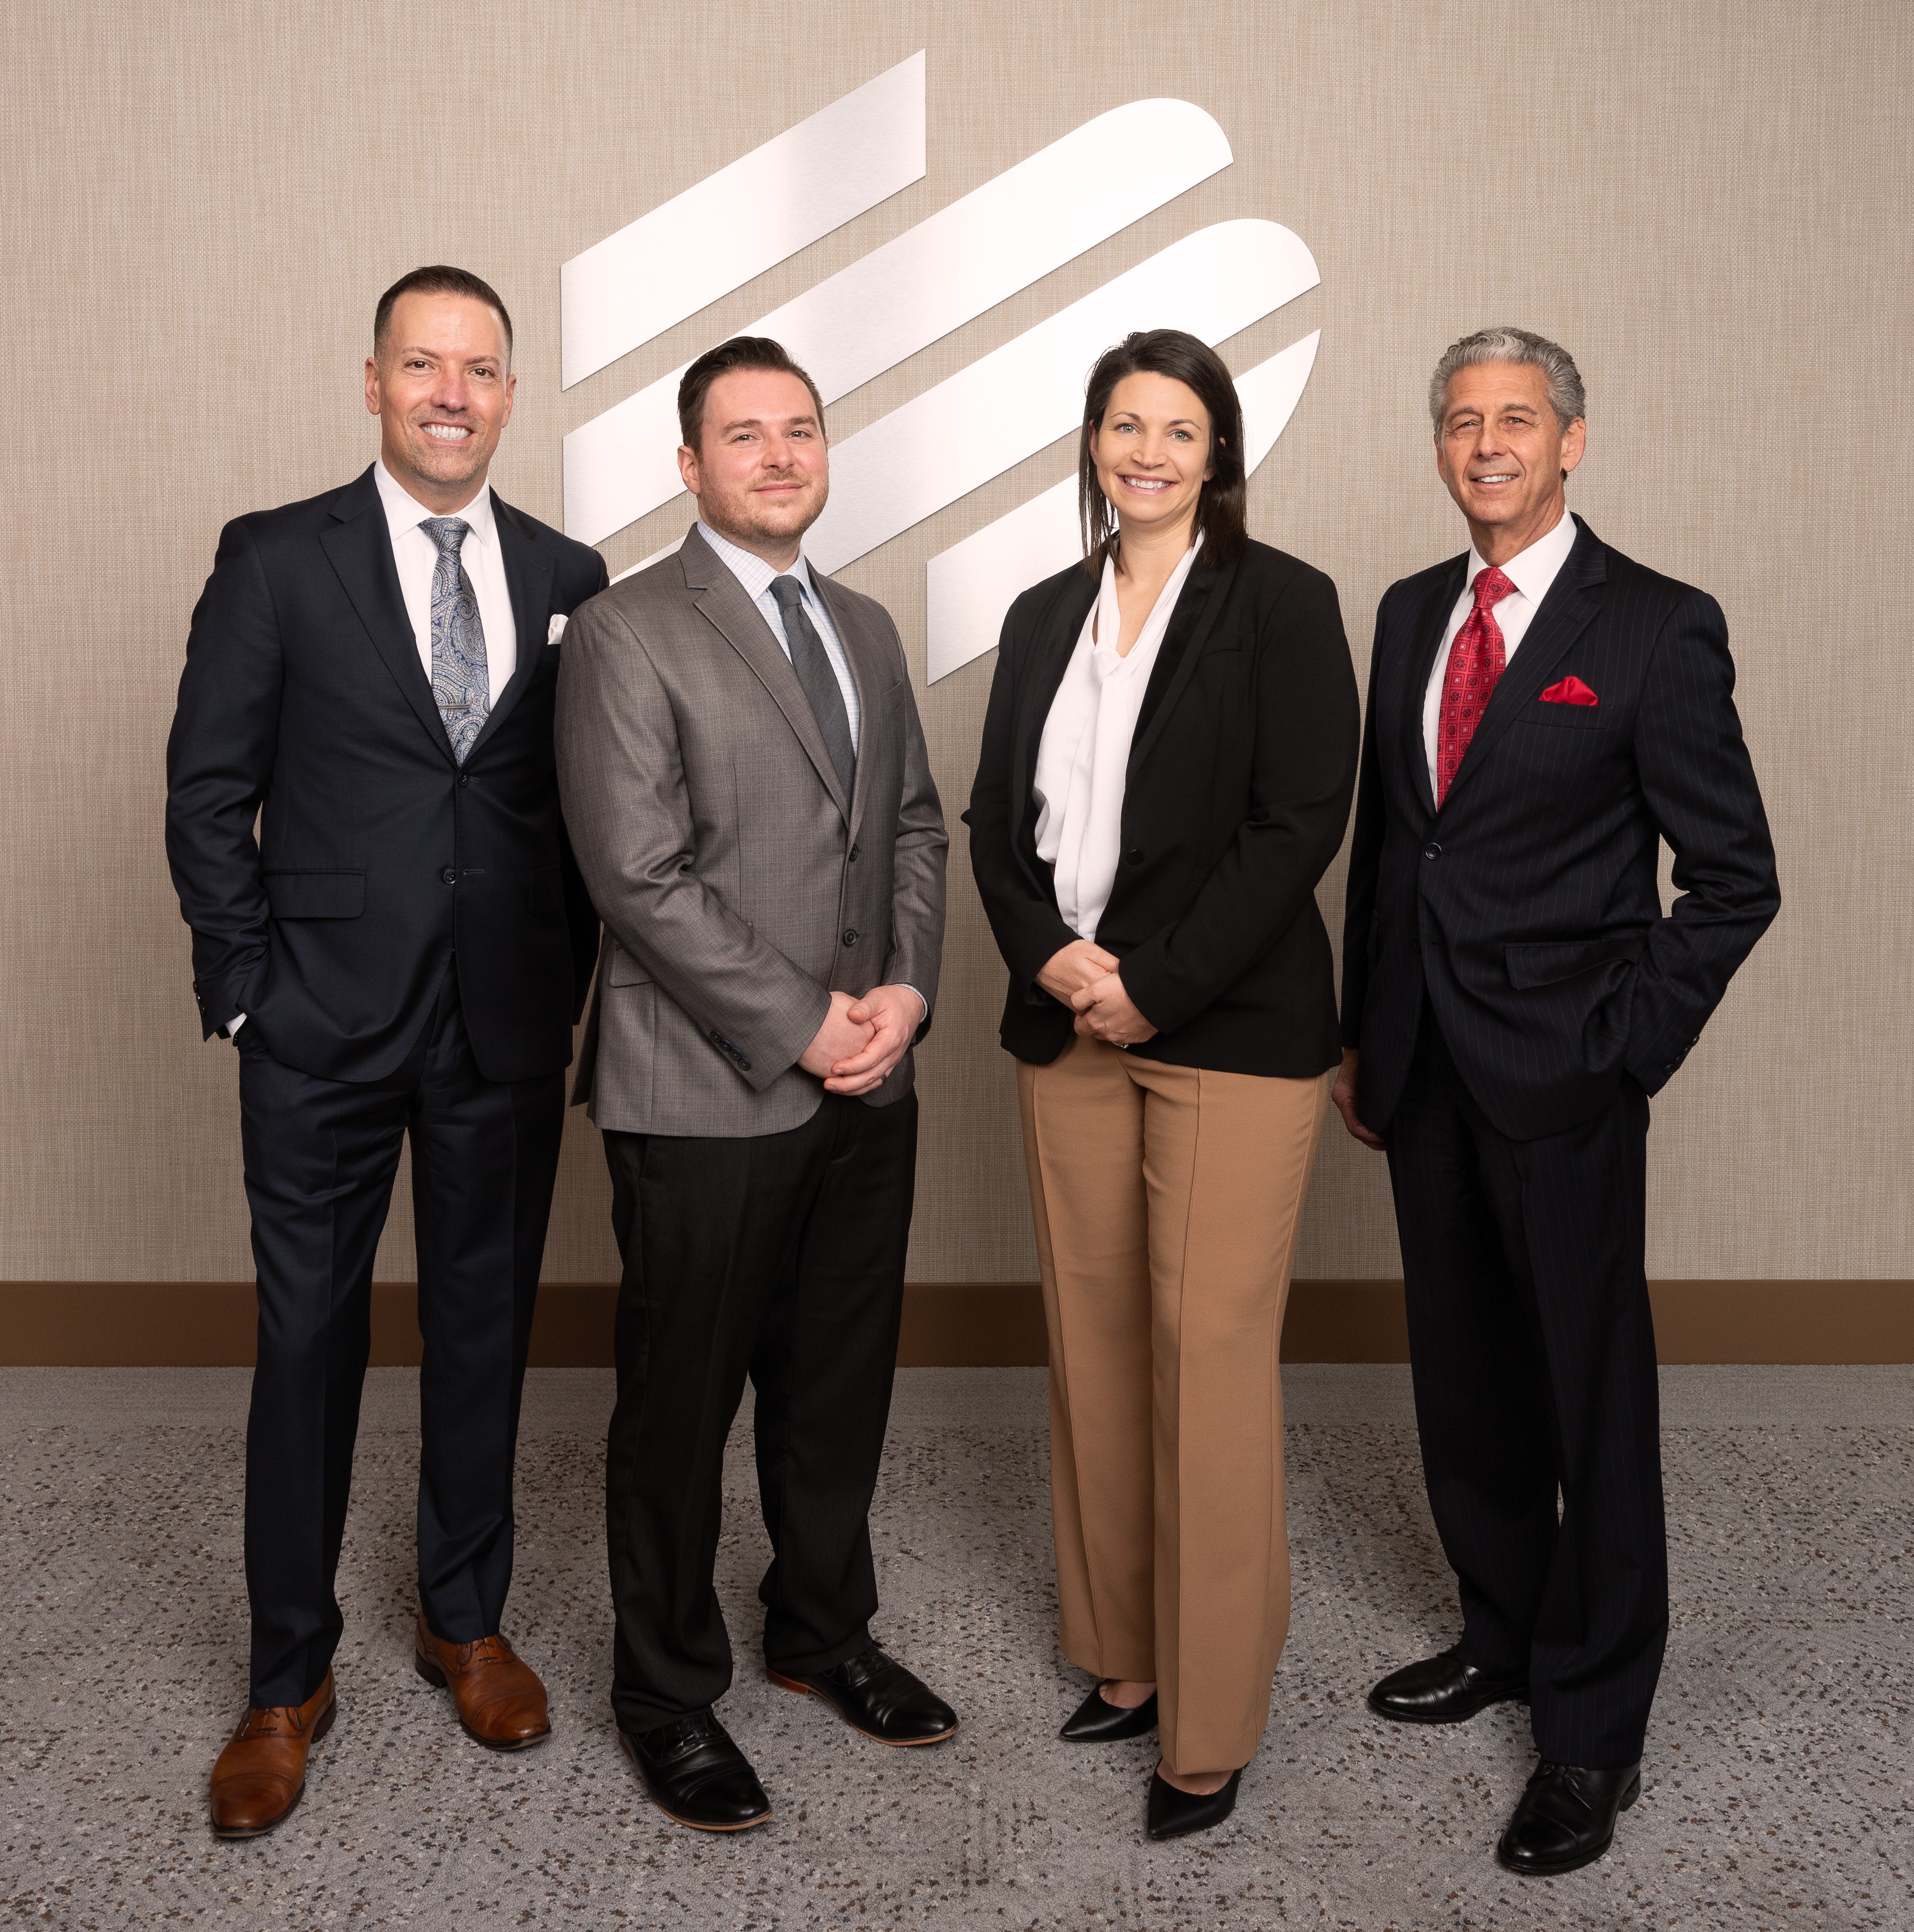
(1081, 758)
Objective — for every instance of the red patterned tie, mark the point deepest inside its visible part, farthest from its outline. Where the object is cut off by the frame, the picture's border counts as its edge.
(1476, 660)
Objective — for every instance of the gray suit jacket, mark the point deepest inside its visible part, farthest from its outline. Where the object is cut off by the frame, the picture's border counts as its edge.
(738, 887)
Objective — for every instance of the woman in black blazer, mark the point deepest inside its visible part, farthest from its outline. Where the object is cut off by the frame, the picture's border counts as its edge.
(1168, 760)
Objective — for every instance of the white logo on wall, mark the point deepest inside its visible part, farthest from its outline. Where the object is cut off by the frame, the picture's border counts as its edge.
(907, 294)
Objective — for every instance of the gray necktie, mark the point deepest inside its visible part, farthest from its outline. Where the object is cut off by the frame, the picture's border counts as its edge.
(808, 659)
(461, 683)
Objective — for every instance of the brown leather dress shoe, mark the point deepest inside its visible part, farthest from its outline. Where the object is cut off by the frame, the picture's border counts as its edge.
(501, 1703)
(262, 1773)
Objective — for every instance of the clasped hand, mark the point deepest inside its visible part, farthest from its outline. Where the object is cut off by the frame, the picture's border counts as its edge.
(1084, 977)
(861, 1040)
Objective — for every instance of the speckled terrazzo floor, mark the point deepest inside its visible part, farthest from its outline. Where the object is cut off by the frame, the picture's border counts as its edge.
(1778, 1791)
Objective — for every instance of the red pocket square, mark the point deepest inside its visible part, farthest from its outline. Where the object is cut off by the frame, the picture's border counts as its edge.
(1570, 690)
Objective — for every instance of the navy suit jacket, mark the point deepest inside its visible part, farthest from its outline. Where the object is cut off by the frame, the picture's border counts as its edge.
(1527, 908)
(304, 703)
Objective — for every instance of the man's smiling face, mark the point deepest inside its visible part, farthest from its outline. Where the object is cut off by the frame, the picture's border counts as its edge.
(1503, 454)
(441, 385)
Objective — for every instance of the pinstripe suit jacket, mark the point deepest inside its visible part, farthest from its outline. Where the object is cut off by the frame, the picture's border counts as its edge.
(1528, 907)
(738, 886)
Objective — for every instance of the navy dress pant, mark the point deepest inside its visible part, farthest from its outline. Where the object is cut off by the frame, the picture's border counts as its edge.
(1533, 1354)
(780, 1256)
(320, 1159)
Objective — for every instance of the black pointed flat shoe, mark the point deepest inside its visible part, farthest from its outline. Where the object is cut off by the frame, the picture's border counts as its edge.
(1098, 1721)
(1566, 1818)
(1173, 1813)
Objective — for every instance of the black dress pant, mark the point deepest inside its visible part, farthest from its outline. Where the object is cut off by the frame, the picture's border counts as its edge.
(779, 1255)
(320, 1158)
(1533, 1354)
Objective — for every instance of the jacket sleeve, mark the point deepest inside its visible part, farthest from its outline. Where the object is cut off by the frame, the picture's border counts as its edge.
(1365, 865)
(1303, 771)
(622, 784)
(1699, 784)
(581, 916)
(1029, 930)
(219, 758)
(921, 848)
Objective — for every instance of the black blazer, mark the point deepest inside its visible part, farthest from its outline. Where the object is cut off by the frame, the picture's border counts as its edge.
(1236, 796)
(377, 856)
(1527, 907)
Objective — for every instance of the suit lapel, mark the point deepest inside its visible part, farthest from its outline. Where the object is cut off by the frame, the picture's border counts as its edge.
(359, 546)
(1566, 611)
(528, 575)
(869, 661)
(1058, 629)
(721, 598)
(1431, 621)
(1198, 607)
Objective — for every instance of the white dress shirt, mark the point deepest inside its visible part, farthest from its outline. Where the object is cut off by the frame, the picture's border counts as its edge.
(1531, 572)
(417, 557)
(1082, 757)
(756, 576)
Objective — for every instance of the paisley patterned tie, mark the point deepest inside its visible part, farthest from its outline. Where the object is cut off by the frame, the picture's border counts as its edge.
(460, 682)
(1476, 660)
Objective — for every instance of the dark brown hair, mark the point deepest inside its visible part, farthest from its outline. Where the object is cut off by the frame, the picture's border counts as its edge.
(437, 280)
(742, 351)
(1219, 510)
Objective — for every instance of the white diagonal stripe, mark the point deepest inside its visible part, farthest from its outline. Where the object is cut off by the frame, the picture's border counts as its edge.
(969, 587)
(745, 218)
(900, 298)
(1009, 404)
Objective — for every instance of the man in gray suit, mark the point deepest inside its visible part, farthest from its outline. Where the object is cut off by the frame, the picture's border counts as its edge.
(744, 781)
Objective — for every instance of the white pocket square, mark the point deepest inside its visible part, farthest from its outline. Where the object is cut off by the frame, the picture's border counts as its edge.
(556, 629)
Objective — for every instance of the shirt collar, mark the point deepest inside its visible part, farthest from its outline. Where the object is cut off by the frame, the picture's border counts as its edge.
(1533, 570)
(752, 571)
(405, 512)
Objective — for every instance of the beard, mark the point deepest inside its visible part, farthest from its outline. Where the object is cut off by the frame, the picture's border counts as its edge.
(744, 517)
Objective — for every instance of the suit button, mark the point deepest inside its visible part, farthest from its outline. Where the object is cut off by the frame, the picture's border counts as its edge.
(1136, 855)
(1432, 851)
(853, 855)
(851, 935)
(450, 877)
(465, 778)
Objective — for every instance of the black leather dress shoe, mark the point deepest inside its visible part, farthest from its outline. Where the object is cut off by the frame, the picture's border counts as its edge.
(696, 1774)
(1441, 1690)
(1566, 1818)
(1172, 1813)
(1098, 1721)
(875, 1694)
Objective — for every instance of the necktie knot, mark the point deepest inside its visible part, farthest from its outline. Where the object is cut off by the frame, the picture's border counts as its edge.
(1491, 587)
(788, 593)
(447, 533)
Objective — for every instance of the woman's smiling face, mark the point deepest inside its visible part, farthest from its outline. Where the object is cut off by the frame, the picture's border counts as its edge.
(1152, 451)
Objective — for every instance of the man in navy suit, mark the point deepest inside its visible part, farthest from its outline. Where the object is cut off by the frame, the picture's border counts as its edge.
(403, 948)
(1543, 713)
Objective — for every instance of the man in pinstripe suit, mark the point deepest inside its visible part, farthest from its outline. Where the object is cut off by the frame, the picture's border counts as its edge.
(1542, 712)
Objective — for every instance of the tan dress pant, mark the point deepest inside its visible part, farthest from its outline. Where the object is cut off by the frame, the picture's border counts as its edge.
(1166, 1200)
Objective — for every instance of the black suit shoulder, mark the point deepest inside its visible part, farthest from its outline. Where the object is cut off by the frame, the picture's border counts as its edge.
(1407, 593)
(579, 562)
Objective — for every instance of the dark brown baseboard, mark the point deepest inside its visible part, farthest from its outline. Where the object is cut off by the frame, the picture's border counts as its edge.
(947, 1324)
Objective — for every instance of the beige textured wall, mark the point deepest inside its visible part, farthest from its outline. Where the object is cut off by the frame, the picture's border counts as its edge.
(1707, 203)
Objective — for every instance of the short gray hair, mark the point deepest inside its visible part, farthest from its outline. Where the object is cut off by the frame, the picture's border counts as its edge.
(1512, 345)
